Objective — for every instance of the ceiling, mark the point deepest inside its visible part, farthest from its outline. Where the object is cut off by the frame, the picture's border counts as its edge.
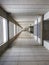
(25, 11)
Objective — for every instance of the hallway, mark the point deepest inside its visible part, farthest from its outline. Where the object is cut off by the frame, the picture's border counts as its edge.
(25, 51)
(25, 39)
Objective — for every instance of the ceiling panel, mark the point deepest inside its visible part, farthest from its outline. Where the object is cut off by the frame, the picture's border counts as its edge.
(17, 6)
(36, 9)
(24, 1)
(25, 10)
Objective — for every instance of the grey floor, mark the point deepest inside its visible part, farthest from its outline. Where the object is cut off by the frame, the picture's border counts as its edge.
(24, 51)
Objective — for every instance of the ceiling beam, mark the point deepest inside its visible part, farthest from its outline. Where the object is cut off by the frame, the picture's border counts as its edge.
(8, 16)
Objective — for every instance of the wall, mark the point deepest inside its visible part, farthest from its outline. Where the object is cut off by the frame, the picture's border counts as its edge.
(39, 26)
(15, 29)
(1, 30)
(38, 30)
(11, 30)
(35, 30)
(46, 31)
(7, 16)
(46, 16)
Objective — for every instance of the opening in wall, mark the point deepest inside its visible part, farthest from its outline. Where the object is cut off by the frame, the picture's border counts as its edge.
(14, 30)
(5, 31)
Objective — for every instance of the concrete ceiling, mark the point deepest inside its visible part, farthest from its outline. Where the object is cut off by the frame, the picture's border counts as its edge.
(25, 11)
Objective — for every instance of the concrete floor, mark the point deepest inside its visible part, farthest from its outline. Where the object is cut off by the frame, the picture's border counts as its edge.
(24, 51)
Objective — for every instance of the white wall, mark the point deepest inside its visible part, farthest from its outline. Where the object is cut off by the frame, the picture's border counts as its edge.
(15, 29)
(38, 30)
(46, 44)
(46, 16)
(5, 30)
(18, 29)
(11, 30)
(35, 29)
(1, 30)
